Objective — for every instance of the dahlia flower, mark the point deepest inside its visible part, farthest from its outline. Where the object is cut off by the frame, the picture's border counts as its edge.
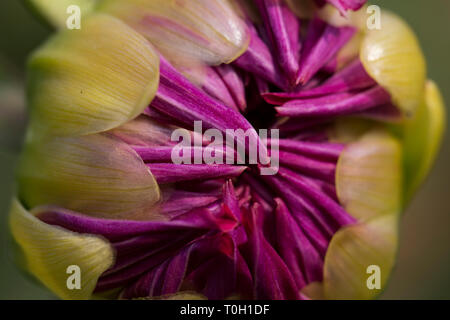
(354, 126)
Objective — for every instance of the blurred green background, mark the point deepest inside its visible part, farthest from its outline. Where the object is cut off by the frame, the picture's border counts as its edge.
(423, 268)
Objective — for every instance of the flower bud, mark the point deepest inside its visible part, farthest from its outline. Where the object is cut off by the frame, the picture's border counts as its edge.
(91, 80)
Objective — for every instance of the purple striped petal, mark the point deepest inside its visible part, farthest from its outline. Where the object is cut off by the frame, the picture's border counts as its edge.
(162, 280)
(308, 166)
(301, 258)
(259, 61)
(352, 77)
(283, 28)
(235, 85)
(179, 202)
(318, 228)
(213, 269)
(213, 84)
(118, 229)
(332, 208)
(321, 151)
(334, 105)
(164, 154)
(171, 173)
(181, 100)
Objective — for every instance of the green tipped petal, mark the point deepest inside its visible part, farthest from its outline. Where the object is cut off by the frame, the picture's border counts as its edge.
(369, 176)
(208, 31)
(423, 137)
(95, 175)
(355, 256)
(91, 80)
(49, 251)
(56, 11)
(393, 57)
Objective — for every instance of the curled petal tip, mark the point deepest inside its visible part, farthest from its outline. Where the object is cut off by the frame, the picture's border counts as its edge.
(56, 12)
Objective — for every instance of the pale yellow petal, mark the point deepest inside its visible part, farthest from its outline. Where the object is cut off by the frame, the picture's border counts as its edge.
(360, 259)
(95, 175)
(423, 137)
(393, 57)
(369, 176)
(49, 251)
(91, 80)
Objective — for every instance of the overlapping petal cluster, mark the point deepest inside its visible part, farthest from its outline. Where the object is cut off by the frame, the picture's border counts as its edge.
(359, 129)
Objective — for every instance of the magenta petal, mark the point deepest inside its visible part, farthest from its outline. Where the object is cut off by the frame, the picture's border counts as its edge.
(170, 173)
(216, 87)
(321, 151)
(308, 166)
(164, 279)
(261, 191)
(352, 77)
(230, 200)
(235, 85)
(119, 229)
(283, 29)
(302, 259)
(181, 100)
(272, 280)
(331, 66)
(164, 154)
(259, 61)
(331, 207)
(318, 228)
(179, 202)
(213, 270)
(136, 256)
